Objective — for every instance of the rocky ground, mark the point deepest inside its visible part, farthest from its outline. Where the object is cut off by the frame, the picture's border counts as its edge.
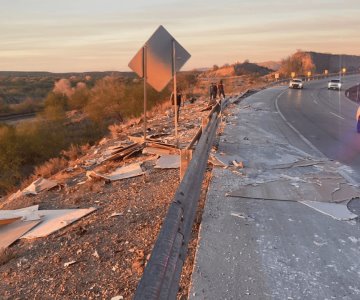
(109, 248)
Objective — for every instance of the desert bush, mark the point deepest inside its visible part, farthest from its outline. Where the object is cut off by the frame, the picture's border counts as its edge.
(107, 100)
(80, 97)
(300, 63)
(50, 167)
(10, 158)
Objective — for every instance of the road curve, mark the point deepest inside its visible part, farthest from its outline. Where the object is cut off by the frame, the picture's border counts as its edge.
(326, 118)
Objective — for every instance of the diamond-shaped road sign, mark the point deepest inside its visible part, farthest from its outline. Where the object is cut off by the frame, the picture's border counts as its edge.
(159, 59)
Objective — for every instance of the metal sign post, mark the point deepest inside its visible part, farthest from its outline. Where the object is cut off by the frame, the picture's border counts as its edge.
(175, 90)
(145, 94)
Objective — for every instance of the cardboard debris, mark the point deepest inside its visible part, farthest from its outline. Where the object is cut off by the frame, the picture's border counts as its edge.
(9, 220)
(215, 162)
(35, 188)
(226, 160)
(335, 210)
(26, 214)
(69, 263)
(29, 222)
(54, 220)
(12, 232)
(128, 171)
(168, 162)
(158, 151)
(123, 153)
(39, 185)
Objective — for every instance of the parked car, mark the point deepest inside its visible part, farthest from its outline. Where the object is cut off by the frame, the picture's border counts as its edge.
(334, 84)
(296, 83)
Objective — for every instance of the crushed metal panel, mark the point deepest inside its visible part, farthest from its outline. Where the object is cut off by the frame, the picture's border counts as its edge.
(159, 62)
(168, 162)
(335, 210)
(12, 232)
(53, 220)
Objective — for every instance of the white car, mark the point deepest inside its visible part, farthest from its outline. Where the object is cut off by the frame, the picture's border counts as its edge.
(296, 83)
(334, 84)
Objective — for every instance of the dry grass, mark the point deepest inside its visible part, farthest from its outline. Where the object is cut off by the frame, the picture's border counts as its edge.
(46, 170)
(51, 167)
(73, 152)
(6, 255)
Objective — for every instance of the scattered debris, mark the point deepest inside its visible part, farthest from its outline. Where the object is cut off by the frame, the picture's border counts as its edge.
(54, 220)
(168, 162)
(31, 223)
(128, 171)
(96, 254)
(335, 210)
(239, 165)
(34, 188)
(297, 189)
(69, 263)
(115, 214)
(12, 232)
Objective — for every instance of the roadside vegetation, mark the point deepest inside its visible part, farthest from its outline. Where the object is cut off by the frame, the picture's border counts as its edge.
(71, 116)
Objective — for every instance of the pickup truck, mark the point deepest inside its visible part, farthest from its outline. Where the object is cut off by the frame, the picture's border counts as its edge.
(334, 84)
(296, 83)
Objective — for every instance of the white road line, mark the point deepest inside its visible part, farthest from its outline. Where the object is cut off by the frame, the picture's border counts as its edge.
(337, 115)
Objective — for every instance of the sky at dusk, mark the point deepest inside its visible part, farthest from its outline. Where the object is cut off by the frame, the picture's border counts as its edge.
(100, 35)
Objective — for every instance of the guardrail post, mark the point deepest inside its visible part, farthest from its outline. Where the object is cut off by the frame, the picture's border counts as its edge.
(204, 123)
(185, 157)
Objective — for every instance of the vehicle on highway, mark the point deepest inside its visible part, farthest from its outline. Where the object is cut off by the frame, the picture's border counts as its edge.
(296, 83)
(334, 84)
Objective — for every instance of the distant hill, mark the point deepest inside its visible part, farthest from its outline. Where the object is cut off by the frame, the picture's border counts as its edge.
(248, 68)
(334, 62)
(237, 69)
(303, 62)
(272, 65)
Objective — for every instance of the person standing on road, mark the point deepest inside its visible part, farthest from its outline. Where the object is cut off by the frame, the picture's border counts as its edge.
(215, 90)
(220, 88)
(211, 92)
(178, 101)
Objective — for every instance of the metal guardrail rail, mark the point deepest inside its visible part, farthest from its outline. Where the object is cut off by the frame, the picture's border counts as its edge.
(161, 276)
(314, 77)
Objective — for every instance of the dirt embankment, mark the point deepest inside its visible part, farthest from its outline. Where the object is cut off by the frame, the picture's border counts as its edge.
(110, 247)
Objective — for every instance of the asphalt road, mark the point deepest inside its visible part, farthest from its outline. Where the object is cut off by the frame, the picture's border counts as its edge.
(258, 248)
(326, 118)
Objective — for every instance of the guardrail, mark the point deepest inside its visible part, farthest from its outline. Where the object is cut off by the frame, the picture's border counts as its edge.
(314, 77)
(161, 276)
